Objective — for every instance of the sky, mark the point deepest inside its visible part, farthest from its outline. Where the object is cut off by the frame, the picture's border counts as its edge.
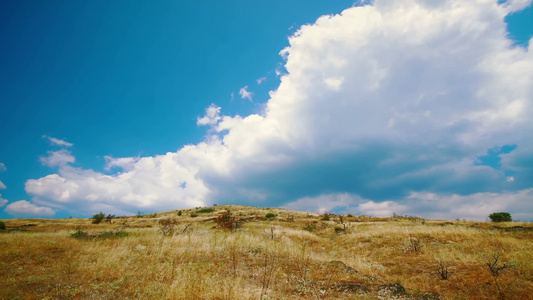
(411, 107)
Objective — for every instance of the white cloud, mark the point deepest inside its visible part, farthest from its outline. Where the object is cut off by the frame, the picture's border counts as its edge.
(2, 186)
(155, 183)
(324, 203)
(57, 142)
(125, 163)
(516, 5)
(2, 167)
(212, 116)
(245, 94)
(476, 206)
(24, 208)
(57, 158)
(381, 209)
(379, 103)
(2, 201)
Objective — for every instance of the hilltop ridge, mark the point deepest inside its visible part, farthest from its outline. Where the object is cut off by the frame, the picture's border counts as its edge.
(244, 252)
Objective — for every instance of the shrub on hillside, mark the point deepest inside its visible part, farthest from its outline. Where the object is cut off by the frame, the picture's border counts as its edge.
(205, 210)
(79, 234)
(270, 216)
(227, 221)
(97, 218)
(109, 218)
(500, 217)
(2, 225)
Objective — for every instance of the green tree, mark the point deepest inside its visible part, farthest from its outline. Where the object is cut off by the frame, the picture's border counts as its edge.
(500, 217)
(97, 218)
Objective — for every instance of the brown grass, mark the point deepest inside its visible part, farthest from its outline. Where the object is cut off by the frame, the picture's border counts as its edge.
(264, 259)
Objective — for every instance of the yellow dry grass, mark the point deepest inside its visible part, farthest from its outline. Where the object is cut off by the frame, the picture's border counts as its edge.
(293, 256)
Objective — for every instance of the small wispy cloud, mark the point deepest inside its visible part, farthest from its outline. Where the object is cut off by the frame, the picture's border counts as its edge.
(2, 186)
(261, 80)
(2, 201)
(57, 142)
(212, 116)
(2, 167)
(245, 94)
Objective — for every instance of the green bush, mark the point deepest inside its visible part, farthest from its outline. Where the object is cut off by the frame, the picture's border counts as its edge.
(270, 215)
(2, 225)
(205, 210)
(339, 229)
(325, 217)
(179, 213)
(97, 218)
(500, 217)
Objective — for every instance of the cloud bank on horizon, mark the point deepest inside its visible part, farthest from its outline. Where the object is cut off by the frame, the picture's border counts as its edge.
(383, 108)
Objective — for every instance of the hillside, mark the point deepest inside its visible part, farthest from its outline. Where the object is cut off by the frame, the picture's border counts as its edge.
(260, 253)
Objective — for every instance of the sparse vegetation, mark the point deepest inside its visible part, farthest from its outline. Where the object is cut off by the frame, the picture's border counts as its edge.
(167, 226)
(375, 258)
(500, 217)
(205, 210)
(2, 225)
(80, 234)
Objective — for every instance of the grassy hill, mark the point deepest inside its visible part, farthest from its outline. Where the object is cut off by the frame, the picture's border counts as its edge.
(258, 253)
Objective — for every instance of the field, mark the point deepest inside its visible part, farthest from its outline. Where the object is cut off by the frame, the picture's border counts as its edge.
(256, 253)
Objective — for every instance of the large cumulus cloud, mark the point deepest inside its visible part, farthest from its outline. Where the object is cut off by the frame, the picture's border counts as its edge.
(381, 108)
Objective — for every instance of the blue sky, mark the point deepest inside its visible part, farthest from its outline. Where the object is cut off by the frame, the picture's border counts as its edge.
(127, 106)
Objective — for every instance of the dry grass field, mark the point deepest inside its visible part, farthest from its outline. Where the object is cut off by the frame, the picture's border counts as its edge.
(290, 255)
